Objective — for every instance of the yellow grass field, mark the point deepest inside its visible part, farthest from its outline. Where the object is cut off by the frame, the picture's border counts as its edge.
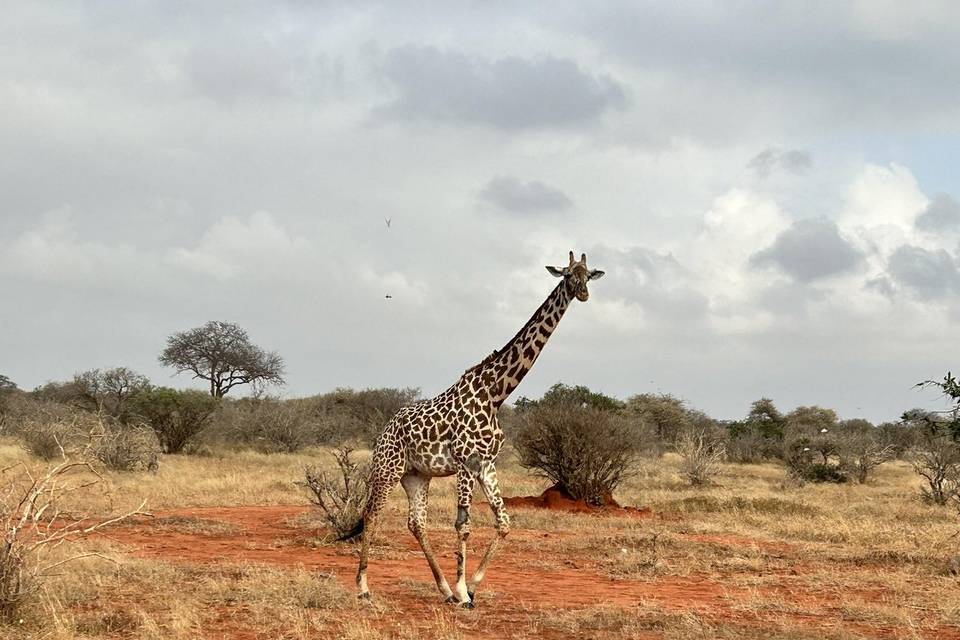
(234, 551)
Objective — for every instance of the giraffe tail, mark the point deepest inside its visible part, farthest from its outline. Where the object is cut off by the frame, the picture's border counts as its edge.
(353, 533)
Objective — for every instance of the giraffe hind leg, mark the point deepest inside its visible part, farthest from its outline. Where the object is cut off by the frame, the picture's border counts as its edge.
(382, 482)
(417, 486)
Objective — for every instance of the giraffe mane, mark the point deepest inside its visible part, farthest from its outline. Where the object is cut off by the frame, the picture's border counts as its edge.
(480, 365)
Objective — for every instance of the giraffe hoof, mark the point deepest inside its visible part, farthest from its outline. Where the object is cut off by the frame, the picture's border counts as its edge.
(451, 600)
(364, 596)
(467, 605)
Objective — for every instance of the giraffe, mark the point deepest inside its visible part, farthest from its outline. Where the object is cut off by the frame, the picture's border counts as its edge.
(457, 433)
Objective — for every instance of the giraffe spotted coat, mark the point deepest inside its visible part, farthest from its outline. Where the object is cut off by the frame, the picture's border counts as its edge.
(457, 433)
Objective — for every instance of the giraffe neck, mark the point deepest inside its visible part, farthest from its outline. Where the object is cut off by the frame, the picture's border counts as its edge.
(512, 362)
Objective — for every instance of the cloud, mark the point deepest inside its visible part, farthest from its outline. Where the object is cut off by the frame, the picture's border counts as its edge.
(809, 250)
(927, 274)
(231, 70)
(751, 67)
(652, 282)
(507, 93)
(164, 134)
(942, 214)
(511, 194)
(257, 248)
(53, 252)
(794, 161)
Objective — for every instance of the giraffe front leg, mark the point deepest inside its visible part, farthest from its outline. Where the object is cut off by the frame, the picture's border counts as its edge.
(465, 484)
(491, 490)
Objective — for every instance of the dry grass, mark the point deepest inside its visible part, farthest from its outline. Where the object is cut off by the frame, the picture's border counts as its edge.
(819, 561)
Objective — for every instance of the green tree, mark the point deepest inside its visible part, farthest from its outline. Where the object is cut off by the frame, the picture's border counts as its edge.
(818, 426)
(585, 451)
(664, 415)
(578, 396)
(176, 416)
(946, 420)
(766, 419)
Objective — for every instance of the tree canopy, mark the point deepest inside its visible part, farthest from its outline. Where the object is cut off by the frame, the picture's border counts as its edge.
(579, 395)
(222, 354)
(6, 384)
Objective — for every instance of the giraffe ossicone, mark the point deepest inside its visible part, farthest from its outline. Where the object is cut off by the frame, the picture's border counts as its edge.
(457, 433)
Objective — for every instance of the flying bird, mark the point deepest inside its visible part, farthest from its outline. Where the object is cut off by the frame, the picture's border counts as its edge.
(388, 296)
(388, 221)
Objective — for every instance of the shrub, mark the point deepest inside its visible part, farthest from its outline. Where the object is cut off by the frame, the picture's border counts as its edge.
(342, 498)
(50, 431)
(106, 391)
(701, 453)
(350, 415)
(35, 517)
(665, 416)
(901, 437)
(586, 452)
(128, 448)
(803, 465)
(861, 450)
(272, 425)
(937, 460)
(745, 443)
(759, 436)
(176, 417)
(579, 395)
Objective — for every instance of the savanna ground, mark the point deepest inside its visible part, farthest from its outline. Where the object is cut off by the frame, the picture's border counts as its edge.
(233, 550)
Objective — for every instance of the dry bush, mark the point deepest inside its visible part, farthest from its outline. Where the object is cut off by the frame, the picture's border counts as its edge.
(744, 448)
(53, 434)
(937, 460)
(128, 448)
(50, 431)
(351, 415)
(271, 425)
(701, 454)
(36, 518)
(342, 496)
(586, 452)
(863, 451)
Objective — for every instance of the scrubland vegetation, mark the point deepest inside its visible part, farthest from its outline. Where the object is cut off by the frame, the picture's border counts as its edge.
(781, 525)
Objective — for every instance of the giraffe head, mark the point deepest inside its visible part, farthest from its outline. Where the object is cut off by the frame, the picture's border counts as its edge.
(576, 275)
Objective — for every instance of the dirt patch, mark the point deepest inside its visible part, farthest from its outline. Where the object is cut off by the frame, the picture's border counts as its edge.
(556, 499)
(519, 590)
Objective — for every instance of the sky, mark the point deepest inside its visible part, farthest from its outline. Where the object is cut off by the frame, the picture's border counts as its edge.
(771, 189)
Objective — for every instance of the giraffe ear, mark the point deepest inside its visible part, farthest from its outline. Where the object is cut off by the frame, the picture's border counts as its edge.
(596, 274)
(559, 273)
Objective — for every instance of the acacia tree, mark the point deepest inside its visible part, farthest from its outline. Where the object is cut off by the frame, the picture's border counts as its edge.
(117, 385)
(6, 384)
(222, 354)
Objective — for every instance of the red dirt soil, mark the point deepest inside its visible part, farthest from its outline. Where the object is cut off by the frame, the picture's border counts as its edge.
(556, 499)
(520, 589)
